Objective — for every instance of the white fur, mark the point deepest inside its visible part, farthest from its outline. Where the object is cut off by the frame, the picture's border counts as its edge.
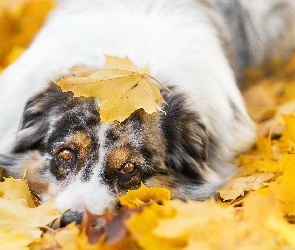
(93, 195)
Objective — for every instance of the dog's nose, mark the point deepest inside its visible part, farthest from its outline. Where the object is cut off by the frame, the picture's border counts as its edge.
(71, 216)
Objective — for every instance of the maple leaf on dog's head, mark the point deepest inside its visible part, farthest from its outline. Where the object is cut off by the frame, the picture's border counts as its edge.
(120, 87)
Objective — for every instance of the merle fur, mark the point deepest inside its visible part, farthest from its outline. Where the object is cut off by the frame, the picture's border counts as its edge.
(179, 125)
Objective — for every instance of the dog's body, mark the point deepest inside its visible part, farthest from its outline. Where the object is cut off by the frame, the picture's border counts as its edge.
(198, 47)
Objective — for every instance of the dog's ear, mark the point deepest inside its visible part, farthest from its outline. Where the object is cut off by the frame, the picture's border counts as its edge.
(35, 122)
(187, 139)
(33, 129)
(11, 165)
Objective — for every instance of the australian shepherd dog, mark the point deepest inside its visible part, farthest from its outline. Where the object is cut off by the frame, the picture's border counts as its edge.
(198, 48)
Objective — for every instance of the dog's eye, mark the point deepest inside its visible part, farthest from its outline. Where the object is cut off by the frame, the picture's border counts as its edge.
(66, 160)
(65, 154)
(128, 168)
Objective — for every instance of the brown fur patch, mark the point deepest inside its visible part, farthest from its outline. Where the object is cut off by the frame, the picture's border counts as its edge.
(122, 155)
(116, 160)
(119, 157)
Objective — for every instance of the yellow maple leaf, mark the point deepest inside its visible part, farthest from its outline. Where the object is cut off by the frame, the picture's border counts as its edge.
(260, 106)
(283, 187)
(282, 228)
(141, 226)
(11, 241)
(177, 224)
(14, 189)
(135, 198)
(269, 218)
(289, 133)
(191, 213)
(207, 225)
(19, 218)
(120, 87)
(261, 159)
(18, 213)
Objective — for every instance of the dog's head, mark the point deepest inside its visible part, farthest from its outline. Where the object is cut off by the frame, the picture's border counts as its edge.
(81, 162)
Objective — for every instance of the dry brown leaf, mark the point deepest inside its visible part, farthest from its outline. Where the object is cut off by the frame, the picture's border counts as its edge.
(120, 87)
(90, 224)
(238, 186)
(68, 238)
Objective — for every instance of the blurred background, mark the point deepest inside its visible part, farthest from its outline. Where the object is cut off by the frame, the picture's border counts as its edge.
(19, 22)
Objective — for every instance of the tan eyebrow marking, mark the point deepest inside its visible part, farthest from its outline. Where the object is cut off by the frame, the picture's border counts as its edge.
(82, 142)
(119, 157)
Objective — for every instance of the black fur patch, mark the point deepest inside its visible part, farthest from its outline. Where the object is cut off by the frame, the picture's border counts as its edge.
(35, 118)
(186, 138)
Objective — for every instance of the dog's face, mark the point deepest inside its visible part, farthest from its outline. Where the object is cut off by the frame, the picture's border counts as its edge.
(81, 162)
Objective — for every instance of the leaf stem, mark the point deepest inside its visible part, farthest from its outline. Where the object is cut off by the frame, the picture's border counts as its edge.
(156, 80)
(49, 229)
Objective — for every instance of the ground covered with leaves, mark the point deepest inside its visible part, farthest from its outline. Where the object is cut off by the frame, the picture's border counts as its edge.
(254, 211)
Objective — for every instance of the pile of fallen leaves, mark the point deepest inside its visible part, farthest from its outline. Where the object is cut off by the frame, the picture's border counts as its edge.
(254, 211)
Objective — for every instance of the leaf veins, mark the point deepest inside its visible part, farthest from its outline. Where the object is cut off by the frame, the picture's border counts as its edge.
(120, 87)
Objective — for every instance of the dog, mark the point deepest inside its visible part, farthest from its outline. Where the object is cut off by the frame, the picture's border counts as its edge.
(198, 48)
